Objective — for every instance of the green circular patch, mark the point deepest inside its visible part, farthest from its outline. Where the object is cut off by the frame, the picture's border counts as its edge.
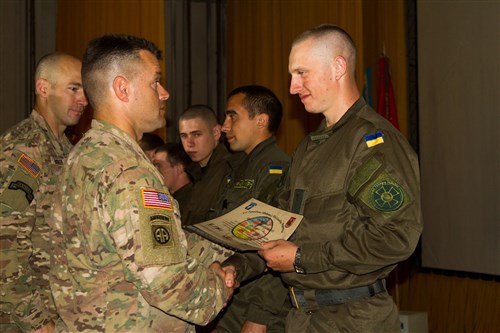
(387, 196)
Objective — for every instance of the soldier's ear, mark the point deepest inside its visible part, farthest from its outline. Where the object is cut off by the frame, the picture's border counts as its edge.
(339, 66)
(216, 131)
(179, 168)
(262, 120)
(42, 87)
(121, 88)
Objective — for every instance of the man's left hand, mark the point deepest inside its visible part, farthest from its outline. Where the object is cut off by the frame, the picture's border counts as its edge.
(279, 255)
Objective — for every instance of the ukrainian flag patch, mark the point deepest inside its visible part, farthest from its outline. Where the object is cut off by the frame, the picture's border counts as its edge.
(374, 139)
(275, 170)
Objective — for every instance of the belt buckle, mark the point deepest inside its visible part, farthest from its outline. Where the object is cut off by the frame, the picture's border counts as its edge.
(295, 303)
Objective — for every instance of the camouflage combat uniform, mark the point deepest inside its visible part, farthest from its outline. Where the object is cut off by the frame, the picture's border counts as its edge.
(31, 158)
(259, 175)
(120, 256)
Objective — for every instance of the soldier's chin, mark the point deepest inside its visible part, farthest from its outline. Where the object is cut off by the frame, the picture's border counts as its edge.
(74, 117)
(194, 158)
(73, 121)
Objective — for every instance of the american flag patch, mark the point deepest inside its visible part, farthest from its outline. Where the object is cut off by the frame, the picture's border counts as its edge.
(275, 170)
(27, 163)
(156, 199)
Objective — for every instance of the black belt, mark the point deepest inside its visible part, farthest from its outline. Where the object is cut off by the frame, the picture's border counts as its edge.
(312, 298)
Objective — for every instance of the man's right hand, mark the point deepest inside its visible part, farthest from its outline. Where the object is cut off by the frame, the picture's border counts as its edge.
(229, 277)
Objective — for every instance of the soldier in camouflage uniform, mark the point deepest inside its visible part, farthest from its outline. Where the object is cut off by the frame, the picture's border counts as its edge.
(31, 157)
(120, 256)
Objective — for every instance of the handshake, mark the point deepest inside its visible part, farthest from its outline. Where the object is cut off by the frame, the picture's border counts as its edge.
(278, 255)
(228, 275)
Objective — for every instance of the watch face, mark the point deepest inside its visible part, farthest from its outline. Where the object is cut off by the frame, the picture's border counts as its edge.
(299, 270)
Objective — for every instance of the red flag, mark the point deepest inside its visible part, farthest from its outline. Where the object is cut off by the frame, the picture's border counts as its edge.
(386, 103)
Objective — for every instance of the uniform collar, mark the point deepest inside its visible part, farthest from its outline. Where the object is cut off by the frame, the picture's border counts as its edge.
(220, 152)
(323, 132)
(101, 125)
(40, 120)
(240, 157)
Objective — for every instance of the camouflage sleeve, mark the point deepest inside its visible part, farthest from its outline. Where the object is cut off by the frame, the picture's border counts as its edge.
(145, 226)
(20, 174)
(205, 251)
(40, 237)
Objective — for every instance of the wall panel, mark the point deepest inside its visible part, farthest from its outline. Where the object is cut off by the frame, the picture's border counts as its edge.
(260, 33)
(78, 22)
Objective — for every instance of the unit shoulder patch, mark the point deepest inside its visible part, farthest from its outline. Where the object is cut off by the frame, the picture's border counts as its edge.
(159, 238)
(387, 196)
(21, 191)
(384, 194)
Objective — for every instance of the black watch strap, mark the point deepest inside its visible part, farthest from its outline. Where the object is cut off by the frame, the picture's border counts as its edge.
(297, 263)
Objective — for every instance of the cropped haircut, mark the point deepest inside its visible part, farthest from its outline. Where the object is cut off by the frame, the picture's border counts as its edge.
(175, 153)
(111, 54)
(335, 37)
(150, 141)
(259, 99)
(201, 111)
(45, 68)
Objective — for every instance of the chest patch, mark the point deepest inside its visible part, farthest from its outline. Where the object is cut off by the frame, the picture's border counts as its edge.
(244, 183)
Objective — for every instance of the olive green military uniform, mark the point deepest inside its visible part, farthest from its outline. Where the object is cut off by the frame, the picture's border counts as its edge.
(357, 184)
(204, 194)
(30, 159)
(120, 256)
(183, 195)
(259, 175)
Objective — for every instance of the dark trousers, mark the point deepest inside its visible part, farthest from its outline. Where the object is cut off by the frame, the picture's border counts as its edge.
(376, 314)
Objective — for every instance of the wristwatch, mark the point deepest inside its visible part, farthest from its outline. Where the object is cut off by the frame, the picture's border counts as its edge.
(298, 262)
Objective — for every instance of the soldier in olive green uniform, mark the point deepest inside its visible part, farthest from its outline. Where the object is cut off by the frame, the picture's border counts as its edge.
(253, 115)
(120, 256)
(31, 157)
(174, 165)
(200, 134)
(356, 181)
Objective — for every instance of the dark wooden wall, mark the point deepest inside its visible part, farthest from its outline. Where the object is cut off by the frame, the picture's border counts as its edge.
(78, 22)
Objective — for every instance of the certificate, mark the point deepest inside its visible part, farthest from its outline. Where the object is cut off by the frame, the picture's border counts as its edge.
(247, 226)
